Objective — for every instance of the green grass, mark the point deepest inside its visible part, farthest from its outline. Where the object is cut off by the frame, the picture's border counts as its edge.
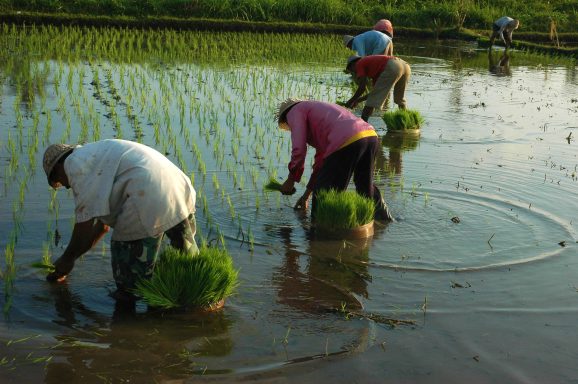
(534, 15)
(342, 210)
(403, 119)
(181, 280)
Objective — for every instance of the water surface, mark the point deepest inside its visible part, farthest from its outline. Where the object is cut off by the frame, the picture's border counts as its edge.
(490, 296)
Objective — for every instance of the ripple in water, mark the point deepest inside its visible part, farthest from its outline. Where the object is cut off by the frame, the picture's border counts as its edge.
(490, 233)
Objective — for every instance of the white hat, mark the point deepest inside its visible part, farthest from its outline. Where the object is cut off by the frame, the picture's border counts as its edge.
(54, 153)
(283, 106)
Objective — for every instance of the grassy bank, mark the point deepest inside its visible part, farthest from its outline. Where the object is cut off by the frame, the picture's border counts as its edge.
(533, 41)
(534, 15)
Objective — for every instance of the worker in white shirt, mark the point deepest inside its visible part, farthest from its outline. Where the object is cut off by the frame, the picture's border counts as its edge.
(503, 28)
(131, 188)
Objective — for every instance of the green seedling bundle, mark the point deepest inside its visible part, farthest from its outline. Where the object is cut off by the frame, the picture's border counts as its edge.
(403, 120)
(182, 280)
(336, 210)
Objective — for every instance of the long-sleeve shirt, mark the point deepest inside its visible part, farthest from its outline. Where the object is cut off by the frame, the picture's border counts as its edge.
(129, 186)
(370, 43)
(324, 126)
(503, 22)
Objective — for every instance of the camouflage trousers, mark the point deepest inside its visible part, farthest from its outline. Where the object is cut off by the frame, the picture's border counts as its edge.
(135, 260)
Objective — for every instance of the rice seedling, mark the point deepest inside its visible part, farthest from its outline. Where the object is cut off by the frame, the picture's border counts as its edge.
(231, 208)
(274, 185)
(403, 119)
(285, 340)
(251, 239)
(46, 263)
(342, 210)
(9, 274)
(181, 280)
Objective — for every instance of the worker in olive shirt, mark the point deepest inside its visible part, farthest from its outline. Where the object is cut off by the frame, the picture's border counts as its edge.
(131, 188)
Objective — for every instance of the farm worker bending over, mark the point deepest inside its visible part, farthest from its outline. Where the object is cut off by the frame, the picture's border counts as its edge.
(344, 146)
(369, 43)
(385, 72)
(503, 27)
(384, 26)
(131, 188)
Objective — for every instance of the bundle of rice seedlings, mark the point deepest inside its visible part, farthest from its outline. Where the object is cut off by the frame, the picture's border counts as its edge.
(44, 266)
(181, 280)
(274, 185)
(403, 119)
(336, 210)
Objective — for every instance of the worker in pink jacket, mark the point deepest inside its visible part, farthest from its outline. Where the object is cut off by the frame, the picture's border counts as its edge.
(345, 146)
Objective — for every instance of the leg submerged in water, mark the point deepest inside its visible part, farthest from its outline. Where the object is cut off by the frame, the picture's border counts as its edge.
(382, 212)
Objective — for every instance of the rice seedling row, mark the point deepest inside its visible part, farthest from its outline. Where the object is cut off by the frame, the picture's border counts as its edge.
(162, 88)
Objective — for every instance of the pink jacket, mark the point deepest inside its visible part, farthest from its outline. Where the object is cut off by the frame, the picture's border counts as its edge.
(327, 128)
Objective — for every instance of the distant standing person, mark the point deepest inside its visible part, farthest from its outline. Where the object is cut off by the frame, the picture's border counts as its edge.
(131, 188)
(503, 27)
(345, 146)
(369, 43)
(386, 72)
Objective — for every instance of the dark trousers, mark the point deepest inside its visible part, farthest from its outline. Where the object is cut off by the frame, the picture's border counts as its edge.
(357, 160)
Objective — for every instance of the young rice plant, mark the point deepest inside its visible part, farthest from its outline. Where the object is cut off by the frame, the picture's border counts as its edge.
(342, 210)
(181, 280)
(403, 119)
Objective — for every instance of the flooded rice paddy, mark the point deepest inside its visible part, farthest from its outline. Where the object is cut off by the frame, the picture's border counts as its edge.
(476, 281)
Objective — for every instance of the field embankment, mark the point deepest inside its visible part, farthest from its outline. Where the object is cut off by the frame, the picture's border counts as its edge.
(548, 27)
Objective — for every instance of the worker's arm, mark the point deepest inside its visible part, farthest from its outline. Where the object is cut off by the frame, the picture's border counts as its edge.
(84, 236)
(303, 201)
(389, 49)
(362, 85)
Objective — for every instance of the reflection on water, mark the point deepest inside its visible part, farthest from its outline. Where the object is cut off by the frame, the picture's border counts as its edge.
(335, 274)
(493, 152)
(499, 66)
(397, 143)
(131, 346)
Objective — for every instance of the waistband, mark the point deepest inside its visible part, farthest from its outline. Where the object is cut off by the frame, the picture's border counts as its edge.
(358, 136)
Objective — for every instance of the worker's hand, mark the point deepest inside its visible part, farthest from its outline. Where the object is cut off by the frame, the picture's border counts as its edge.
(61, 269)
(288, 187)
(302, 203)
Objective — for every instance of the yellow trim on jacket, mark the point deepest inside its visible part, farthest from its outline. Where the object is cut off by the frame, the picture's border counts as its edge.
(358, 136)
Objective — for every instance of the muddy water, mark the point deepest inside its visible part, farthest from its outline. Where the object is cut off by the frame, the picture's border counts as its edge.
(490, 296)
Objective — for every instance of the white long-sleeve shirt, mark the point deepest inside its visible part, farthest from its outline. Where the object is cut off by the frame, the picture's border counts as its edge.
(503, 23)
(130, 187)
